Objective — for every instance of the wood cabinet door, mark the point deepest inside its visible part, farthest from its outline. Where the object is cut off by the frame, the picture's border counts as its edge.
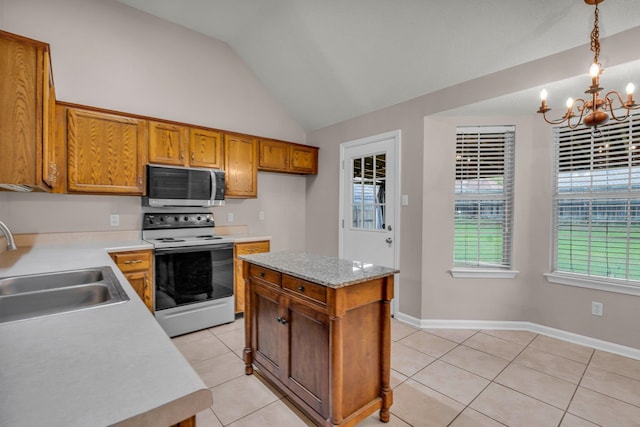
(307, 373)
(205, 148)
(244, 248)
(167, 144)
(303, 159)
(241, 167)
(268, 333)
(141, 282)
(106, 153)
(273, 155)
(22, 96)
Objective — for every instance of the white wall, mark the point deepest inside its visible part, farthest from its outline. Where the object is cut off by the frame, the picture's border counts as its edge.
(427, 291)
(108, 55)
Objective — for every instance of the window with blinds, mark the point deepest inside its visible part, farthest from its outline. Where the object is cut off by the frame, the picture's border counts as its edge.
(484, 197)
(597, 201)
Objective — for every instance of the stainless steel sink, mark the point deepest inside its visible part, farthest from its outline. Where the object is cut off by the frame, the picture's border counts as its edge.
(35, 295)
(40, 282)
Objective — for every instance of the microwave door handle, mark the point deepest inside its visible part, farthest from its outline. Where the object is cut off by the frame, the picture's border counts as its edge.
(213, 185)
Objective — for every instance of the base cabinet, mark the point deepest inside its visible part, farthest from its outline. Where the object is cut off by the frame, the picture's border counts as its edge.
(137, 267)
(244, 248)
(327, 349)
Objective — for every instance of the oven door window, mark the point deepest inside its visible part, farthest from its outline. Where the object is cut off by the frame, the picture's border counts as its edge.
(190, 275)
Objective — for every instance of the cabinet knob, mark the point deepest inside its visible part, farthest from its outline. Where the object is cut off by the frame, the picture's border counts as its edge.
(261, 274)
(301, 288)
(193, 156)
(281, 320)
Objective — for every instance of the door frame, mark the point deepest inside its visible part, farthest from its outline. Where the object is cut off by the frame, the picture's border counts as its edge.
(395, 135)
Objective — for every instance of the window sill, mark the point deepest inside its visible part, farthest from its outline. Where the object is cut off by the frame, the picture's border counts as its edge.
(482, 273)
(610, 285)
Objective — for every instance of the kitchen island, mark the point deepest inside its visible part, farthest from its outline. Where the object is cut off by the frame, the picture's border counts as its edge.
(319, 329)
(108, 365)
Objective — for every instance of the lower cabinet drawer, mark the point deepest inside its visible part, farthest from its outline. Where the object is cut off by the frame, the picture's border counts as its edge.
(302, 287)
(132, 261)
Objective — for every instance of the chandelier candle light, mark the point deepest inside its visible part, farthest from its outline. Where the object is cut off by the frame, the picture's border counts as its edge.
(594, 110)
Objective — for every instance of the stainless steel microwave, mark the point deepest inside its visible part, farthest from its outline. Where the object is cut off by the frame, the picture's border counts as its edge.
(180, 186)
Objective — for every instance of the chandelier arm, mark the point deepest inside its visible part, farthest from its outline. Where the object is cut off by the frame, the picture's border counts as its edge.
(581, 109)
(609, 103)
(553, 121)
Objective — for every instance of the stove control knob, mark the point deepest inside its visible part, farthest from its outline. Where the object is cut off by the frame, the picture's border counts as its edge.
(186, 218)
(161, 219)
(177, 218)
(199, 218)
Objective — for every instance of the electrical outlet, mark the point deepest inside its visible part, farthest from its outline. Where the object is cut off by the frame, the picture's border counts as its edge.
(114, 220)
(596, 308)
(261, 215)
(229, 216)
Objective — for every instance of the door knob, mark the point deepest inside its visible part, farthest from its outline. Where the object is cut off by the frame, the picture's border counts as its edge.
(389, 240)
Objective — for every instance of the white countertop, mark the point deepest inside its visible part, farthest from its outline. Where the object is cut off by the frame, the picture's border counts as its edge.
(96, 367)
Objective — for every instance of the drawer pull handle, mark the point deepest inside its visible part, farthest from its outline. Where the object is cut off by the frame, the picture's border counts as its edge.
(301, 288)
(261, 274)
(135, 261)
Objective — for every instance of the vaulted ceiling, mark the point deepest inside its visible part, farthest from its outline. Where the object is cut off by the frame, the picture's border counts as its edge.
(327, 61)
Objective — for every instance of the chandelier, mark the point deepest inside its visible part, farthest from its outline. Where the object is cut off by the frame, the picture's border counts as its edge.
(594, 110)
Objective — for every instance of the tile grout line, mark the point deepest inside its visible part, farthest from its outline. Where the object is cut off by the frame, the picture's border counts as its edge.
(492, 381)
(566, 411)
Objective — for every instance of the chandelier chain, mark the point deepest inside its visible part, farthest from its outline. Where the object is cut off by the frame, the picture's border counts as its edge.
(595, 35)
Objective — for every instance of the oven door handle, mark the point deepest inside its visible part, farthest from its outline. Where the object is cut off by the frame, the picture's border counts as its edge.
(196, 248)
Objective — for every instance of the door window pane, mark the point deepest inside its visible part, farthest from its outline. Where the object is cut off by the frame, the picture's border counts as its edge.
(369, 187)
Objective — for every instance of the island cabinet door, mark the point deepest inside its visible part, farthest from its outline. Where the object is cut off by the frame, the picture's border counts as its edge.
(268, 333)
(308, 348)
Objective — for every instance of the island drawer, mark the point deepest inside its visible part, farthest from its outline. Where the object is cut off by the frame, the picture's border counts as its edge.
(264, 274)
(302, 287)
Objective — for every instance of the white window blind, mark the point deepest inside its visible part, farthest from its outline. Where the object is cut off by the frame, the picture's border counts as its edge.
(597, 201)
(484, 197)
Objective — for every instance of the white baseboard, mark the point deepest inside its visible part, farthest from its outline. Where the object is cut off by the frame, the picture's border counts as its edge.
(598, 344)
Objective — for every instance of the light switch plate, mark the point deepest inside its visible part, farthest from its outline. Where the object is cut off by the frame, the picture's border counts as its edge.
(114, 220)
(229, 216)
(404, 200)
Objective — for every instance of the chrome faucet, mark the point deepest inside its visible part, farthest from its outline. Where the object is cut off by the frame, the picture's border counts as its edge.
(11, 243)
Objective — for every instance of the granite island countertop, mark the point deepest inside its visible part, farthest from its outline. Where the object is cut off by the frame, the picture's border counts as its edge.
(328, 271)
(108, 365)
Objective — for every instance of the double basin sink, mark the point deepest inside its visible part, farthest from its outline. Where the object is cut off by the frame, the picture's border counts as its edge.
(36, 295)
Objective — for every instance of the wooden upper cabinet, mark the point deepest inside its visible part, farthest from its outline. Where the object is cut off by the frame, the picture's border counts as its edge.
(175, 145)
(273, 155)
(280, 156)
(167, 144)
(205, 148)
(304, 159)
(240, 166)
(27, 146)
(106, 153)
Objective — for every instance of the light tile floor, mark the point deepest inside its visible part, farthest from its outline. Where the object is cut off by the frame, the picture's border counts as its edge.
(442, 377)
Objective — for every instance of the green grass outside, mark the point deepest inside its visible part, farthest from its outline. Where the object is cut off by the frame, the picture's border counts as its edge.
(471, 246)
(608, 248)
